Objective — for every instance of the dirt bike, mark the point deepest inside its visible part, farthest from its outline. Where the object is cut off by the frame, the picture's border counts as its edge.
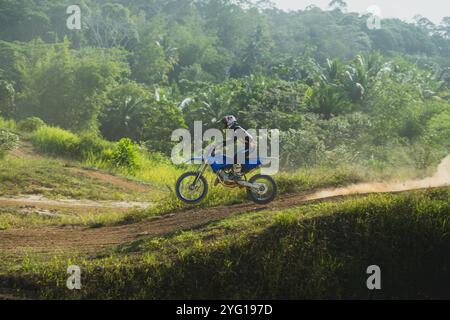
(192, 187)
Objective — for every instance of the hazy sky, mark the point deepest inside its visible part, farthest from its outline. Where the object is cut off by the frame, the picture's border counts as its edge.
(434, 10)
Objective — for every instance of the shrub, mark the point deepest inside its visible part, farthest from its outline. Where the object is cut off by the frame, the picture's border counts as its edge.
(8, 141)
(125, 155)
(92, 144)
(30, 124)
(301, 148)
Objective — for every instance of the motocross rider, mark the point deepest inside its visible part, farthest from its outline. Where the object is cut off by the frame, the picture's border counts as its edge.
(241, 135)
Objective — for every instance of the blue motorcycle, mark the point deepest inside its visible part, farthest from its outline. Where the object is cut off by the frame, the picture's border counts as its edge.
(192, 187)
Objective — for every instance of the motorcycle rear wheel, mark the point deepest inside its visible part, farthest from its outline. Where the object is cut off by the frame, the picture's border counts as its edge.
(263, 196)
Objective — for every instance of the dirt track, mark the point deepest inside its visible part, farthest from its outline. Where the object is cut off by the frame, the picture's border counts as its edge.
(54, 239)
(89, 240)
(42, 202)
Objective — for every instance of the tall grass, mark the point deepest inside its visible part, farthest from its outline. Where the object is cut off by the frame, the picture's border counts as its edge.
(309, 179)
(8, 124)
(56, 142)
(152, 170)
(59, 142)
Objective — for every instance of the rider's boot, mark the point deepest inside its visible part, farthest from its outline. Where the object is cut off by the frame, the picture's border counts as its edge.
(237, 172)
(225, 176)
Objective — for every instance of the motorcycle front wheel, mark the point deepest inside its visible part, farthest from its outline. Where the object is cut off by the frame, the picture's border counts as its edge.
(188, 192)
(266, 192)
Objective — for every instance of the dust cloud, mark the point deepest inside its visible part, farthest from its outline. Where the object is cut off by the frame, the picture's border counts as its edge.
(440, 179)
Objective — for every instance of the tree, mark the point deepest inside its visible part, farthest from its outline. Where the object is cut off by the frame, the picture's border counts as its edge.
(425, 24)
(255, 54)
(10, 54)
(153, 58)
(126, 112)
(326, 100)
(338, 4)
(153, 61)
(438, 129)
(444, 27)
(110, 26)
(24, 20)
(209, 104)
(68, 89)
(164, 118)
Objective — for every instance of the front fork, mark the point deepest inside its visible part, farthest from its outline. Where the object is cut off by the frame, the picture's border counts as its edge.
(201, 171)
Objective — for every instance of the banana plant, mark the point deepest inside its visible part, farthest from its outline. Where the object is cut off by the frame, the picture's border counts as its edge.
(209, 105)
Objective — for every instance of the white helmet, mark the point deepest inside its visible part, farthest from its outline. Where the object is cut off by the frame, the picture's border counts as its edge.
(229, 121)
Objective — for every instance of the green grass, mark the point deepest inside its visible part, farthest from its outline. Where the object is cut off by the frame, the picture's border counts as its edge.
(312, 179)
(8, 124)
(52, 179)
(158, 172)
(314, 251)
(56, 141)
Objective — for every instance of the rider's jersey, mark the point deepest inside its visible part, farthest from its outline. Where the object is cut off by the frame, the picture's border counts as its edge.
(241, 141)
(243, 136)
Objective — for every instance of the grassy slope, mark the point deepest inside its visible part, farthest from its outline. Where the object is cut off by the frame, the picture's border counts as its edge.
(52, 179)
(319, 250)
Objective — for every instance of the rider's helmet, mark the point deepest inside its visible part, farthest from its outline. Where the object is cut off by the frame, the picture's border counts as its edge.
(229, 121)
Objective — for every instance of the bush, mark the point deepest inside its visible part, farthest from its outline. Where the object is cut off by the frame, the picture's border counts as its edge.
(125, 155)
(30, 124)
(92, 144)
(59, 142)
(8, 141)
(301, 148)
